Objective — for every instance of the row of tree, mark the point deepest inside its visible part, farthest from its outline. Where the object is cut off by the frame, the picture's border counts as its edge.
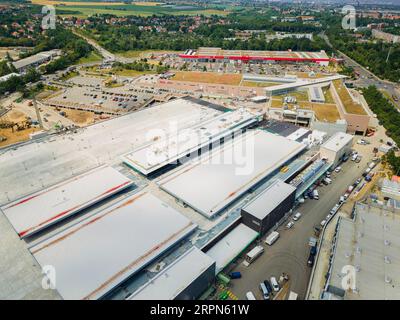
(389, 117)
(18, 83)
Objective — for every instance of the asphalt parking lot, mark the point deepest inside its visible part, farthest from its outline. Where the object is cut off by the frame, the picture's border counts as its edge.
(289, 254)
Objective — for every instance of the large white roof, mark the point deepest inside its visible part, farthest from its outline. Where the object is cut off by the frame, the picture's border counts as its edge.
(164, 149)
(93, 256)
(219, 177)
(169, 283)
(337, 141)
(230, 246)
(25, 169)
(269, 199)
(41, 209)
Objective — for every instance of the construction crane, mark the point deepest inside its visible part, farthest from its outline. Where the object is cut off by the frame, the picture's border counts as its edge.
(390, 51)
(39, 118)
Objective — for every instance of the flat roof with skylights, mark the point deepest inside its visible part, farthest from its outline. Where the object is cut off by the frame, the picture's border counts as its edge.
(222, 175)
(166, 149)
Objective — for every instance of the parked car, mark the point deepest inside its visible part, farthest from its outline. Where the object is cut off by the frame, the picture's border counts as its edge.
(235, 275)
(310, 260)
(290, 225)
(313, 250)
(337, 169)
(274, 284)
(264, 291)
(334, 209)
(297, 216)
(323, 222)
(268, 286)
(250, 296)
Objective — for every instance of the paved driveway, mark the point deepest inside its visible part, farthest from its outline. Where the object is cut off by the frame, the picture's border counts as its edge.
(289, 254)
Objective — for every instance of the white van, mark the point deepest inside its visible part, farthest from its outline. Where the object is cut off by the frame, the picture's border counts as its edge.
(315, 194)
(275, 284)
(328, 180)
(292, 295)
(264, 291)
(254, 253)
(272, 237)
(250, 296)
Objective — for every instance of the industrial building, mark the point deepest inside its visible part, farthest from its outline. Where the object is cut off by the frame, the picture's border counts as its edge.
(337, 147)
(36, 60)
(8, 76)
(212, 54)
(225, 173)
(185, 279)
(96, 254)
(110, 231)
(391, 189)
(366, 252)
(170, 149)
(231, 245)
(264, 211)
(39, 210)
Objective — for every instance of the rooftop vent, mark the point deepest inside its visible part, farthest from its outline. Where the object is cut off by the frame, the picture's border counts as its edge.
(387, 259)
(387, 243)
(358, 268)
(388, 279)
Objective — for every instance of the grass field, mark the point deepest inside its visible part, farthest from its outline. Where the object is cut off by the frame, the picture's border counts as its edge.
(348, 102)
(209, 77)
(92, 57)
(129, 73)
(258, 84)
(300, 95)
(121, 9)
(328, 95)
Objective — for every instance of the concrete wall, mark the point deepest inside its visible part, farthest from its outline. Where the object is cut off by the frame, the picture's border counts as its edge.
(198, 286)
